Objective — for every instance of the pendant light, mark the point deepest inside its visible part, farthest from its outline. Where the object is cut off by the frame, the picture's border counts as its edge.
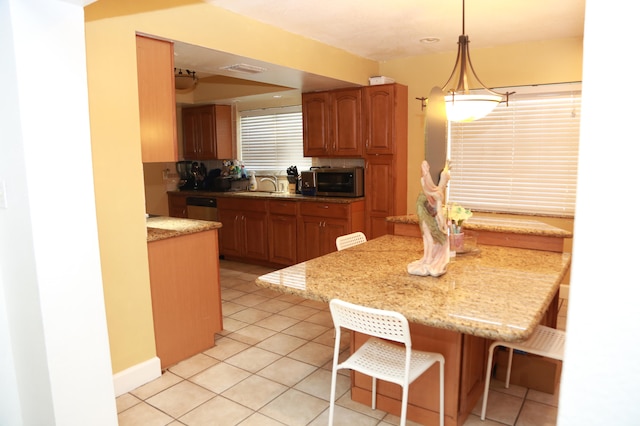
(460, 104)
(186, 80)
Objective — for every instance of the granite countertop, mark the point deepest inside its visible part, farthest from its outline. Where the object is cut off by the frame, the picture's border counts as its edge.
(268, 196)
(499, 224)
(496, 293)
(162, 227)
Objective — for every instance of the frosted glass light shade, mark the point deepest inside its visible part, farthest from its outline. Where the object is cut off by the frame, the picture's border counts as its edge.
(470, 107)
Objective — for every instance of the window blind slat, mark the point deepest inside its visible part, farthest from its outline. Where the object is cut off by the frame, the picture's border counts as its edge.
(272, 140)
(519, 159)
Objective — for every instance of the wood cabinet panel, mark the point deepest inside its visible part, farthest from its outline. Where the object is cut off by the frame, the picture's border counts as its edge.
(315, 124)
(385, 135)
(244, 228)
(379, 119)
(283, 232)
(320, 223)
(332, 124)
(207, 132)
(157, 100)
(185, 293)
(177, 204)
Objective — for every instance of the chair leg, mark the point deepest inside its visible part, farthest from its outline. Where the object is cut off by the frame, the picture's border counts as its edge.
(487, 380)
(334, 378)
(332, 398)
(441, 392)
(403, 413)
(508, 379)
(374, 389)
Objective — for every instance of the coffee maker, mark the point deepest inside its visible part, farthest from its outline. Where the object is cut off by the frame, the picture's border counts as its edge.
(183, 168)
(191, 174)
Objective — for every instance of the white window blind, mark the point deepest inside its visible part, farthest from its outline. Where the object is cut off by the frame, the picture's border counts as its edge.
(271, 139)
(522, 158)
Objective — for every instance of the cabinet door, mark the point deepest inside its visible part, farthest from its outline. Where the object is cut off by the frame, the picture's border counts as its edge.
(231, 233)
(282, 239)
(207, 137)
(379, 119)
(255, 235)
(207, 132)
(379, 190)
(224, 147)
(346, 125)
(190, 134)
(177, 205)
(329, 231)
(315, 124)
(309, 244)
(157, 100)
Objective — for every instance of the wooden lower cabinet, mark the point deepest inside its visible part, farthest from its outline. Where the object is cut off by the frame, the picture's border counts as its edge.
(320, 223)
(283, 232)
(177, 204)
(185, 295)
(464, 366)
(244, 228)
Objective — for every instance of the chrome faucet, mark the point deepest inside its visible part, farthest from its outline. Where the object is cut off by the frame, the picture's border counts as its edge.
(273, 180)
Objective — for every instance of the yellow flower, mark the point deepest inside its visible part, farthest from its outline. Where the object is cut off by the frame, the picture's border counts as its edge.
(458, 214)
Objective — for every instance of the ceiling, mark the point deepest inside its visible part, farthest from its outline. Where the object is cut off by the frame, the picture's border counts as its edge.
(388, 29)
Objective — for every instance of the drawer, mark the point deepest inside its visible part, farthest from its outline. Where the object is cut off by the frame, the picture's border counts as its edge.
(244, 205)
(338, 210)
(283, 207)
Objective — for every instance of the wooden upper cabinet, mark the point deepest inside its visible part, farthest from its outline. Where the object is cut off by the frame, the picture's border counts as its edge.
(315, 124)
(379, 119)
(206, 132)
(157, 100)
(332, 123)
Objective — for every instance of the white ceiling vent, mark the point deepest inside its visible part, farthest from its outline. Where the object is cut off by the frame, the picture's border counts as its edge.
(244, 68)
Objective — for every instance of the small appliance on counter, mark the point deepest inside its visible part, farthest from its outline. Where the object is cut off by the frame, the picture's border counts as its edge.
(308, 184)
(192, 175)
(333, 182)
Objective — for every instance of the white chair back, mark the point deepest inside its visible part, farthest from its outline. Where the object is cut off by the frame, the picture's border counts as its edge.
(350, 240)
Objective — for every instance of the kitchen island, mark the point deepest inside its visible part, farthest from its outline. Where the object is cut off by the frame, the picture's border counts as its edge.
(184, 271)
(496, 293)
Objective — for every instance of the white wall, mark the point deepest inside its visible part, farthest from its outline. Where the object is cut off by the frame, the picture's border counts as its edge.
(54, 356)
(601, 375)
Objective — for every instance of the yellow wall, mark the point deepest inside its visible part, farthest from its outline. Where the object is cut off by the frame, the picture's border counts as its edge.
(110, 37)
(553, 61)
(115, 134)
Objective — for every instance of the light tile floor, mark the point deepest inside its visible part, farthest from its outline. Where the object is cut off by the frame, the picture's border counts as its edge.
(272, 366)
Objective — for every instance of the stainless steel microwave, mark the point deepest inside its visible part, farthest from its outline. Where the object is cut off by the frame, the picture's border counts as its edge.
(334, 182)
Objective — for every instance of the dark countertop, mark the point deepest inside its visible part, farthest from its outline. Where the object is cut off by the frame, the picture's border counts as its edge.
(268, 195)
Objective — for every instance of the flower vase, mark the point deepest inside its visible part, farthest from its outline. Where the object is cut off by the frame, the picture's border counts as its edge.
(456, 242)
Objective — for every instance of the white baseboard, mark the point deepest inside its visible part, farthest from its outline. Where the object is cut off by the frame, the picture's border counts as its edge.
(133, 377)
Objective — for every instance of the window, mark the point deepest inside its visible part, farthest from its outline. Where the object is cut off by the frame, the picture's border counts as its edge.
(271, 139)
(522, 158)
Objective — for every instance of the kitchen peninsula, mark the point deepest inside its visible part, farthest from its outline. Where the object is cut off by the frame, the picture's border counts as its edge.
(498, 293)
(184, 272)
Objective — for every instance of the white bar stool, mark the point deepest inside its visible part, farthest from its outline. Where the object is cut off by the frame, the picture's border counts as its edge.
(379, 358)
(545, 341)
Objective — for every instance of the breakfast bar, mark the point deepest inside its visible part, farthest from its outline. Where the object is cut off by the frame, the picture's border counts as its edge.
(495, 292)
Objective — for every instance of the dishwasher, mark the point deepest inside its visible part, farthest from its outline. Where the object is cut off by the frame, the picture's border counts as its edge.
(202, 208)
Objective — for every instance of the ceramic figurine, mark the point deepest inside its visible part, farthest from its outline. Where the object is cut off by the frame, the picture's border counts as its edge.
(433, 225)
